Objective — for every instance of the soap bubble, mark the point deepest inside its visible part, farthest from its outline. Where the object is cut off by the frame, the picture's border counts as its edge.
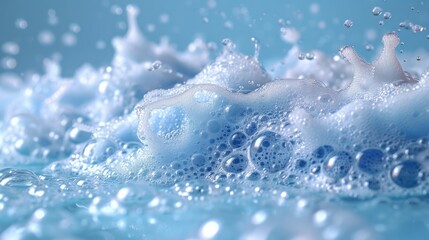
(18, 178)
(198, 160)
(301, 164)
(322, 152)
(253, 176)
(251, 128)
(270, 152)
(407, 174)
(373, 184)
(337, 164)
(370, 161)
(235, 163)
(237, 139)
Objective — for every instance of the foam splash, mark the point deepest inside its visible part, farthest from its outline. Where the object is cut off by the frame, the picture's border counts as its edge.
(209, 130)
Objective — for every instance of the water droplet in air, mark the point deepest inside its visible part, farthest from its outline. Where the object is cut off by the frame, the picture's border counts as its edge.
(117, 10)
(8, 63)
(387, 15)
(228, 45)
(309, 56)
(100, 45)
(74, 27)
(10, 48)
(376, 11)
(348, 23)
(155, 65)
(69, 39)
(46, 37)
(257, 47)
(164, 18)
(21, 23)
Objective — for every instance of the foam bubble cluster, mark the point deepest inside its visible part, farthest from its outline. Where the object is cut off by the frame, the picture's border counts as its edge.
(163, 144)
(166, 117)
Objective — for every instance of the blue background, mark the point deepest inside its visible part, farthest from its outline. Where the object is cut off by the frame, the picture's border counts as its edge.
(186, 21)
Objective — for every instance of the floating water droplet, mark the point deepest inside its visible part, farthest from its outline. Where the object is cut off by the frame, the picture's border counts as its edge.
(8, 63)
(387, 15)
(369, 47)
(74, 27)
(155, 65)
(228, 25)
(309, 56)
(376, 11)
(418, 58)
(100, 45)
(52, 17)
(46, 37)
(117, 10)
(348, 23)
(290, 35)
(21, 23)
(11, 48)
(257, 47)
(78, 135)
(417, 28)
(301, 56)
(164, 18)
(69, 39)
(229, 45)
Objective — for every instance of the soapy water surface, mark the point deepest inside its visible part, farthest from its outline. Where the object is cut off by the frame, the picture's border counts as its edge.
(175, 145)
